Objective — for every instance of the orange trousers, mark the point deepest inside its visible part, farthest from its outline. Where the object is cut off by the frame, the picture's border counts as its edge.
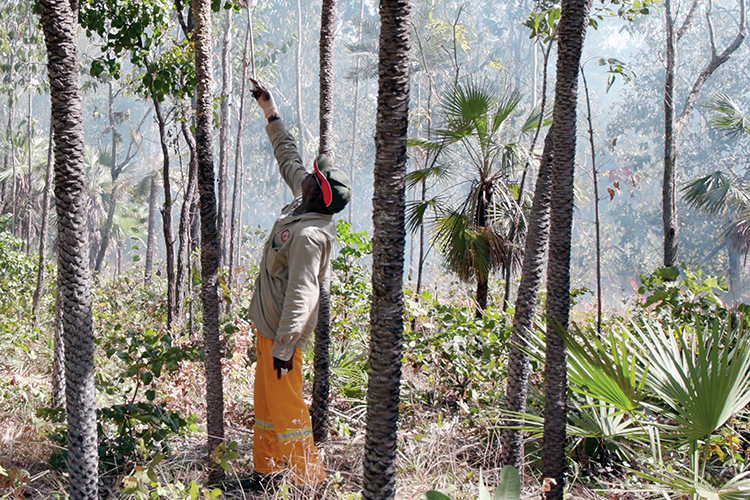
(283, 430)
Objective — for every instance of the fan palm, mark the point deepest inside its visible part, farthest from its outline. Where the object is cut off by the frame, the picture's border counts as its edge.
(697, 377)
(476, 232)
(723, 192)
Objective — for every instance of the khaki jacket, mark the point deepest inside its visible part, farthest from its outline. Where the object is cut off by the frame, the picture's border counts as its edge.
(295, 259)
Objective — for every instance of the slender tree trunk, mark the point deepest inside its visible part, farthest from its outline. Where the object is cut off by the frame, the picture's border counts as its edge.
(238, 158)
(321, 385)
(386, 316)
(107, 228)
(59, 19)
(327, 28)
(595, 177)
(166, 215)
(46, 198)
(224, 138)
(183, 253)
(209, 237)
(12, 158)
(669, 210)
(30, 129)
(672, 126)
(298, 74)
(356, 110)
(151, 237)
(532, 273)
(571, 31)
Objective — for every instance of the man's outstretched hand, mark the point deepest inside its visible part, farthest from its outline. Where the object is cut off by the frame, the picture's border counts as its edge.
(265, 100)
(282, 367)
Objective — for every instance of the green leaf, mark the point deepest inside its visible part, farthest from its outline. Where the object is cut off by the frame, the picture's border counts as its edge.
(193, 490)
(434, 495)
(510, 484)
(484, 493)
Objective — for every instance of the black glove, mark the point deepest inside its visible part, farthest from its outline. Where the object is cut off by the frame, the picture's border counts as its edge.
(280, 365)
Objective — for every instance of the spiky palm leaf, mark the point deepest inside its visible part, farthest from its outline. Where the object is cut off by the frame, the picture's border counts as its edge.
(727, 116)
(713, 193)
(702, 373)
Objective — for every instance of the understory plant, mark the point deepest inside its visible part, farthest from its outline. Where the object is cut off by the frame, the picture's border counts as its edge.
(679, 385)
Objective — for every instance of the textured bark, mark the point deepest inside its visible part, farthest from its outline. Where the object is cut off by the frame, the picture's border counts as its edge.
(386, 316)
(669, 211)
(46, 202)
(183, 252)
(60, 31)
(321, 386)
(209, 237)
(327, 27)
(166, 214)
(481, 296)
(224, 137)
(532, 273)
(151, 235)
(58, 357)
(572, 29)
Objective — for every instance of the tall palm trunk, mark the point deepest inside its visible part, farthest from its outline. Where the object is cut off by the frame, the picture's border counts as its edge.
(58, 356)
(482, 292)
(224, 137)
(321, 386)
(59, 19)
(531, 279)
(46, 199)
(386, 316)
(202, 37)
(571, 31)
(151, 234)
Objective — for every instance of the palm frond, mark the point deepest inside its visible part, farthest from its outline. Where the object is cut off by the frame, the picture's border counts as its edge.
(727, 116)
(701, 372)
(454, 236)
(508, 104)
(416, 213)
(709, 193)
(737, 233)
(605, 368)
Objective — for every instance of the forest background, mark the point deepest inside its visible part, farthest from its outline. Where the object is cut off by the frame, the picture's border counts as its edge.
(491, 47)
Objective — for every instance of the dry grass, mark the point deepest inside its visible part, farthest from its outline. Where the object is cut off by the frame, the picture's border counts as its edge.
(434, 452)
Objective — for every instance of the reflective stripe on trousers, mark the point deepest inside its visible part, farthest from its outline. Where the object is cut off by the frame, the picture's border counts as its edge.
(283, 430)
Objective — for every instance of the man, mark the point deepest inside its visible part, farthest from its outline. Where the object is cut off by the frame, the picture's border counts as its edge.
(284, 307)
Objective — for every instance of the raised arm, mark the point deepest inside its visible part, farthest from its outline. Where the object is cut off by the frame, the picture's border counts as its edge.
(284, 146)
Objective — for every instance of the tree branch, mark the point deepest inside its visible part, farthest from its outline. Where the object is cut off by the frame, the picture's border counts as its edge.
(688, 19)
(713, 64)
